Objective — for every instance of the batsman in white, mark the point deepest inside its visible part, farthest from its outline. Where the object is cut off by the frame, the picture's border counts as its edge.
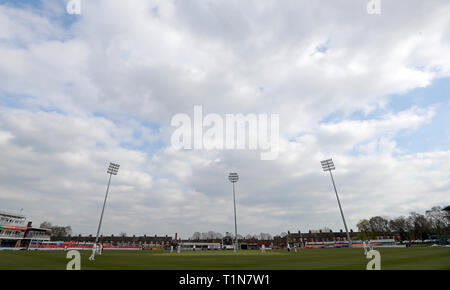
(100, 248)
(96, 248)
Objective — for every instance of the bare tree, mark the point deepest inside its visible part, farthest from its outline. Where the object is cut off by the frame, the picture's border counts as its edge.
(421, 227)
(379, 226)
(57, 231)
(265, 237)
(438, 220)
(401, 226)
(364, 229)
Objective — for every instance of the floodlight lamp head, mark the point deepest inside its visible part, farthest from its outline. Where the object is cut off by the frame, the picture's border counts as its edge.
(327, 165)
(113, 168)
(233, 177)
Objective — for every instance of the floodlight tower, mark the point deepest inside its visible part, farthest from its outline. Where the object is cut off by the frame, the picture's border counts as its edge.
(233, 178)
(112, 170)
(328, 165)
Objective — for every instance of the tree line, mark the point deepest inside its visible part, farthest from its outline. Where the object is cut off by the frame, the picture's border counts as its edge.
(57, 231)
(416, 226)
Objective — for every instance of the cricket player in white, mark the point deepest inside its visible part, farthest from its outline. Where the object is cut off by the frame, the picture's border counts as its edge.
(94, 249)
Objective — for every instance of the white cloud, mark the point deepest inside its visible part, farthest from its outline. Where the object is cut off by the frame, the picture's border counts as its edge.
(348, 133)
(105, 88)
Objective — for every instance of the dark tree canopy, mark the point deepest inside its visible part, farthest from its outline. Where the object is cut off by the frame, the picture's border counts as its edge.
(57, 231)
(415, 226)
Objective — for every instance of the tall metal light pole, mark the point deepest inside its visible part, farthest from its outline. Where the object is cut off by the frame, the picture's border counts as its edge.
(328, 165)
(112, 170)
(233, 178)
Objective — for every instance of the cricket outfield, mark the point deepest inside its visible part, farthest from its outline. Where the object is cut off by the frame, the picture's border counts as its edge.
(426, 258)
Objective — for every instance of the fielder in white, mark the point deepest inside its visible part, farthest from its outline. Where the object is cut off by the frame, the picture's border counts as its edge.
(94, 249)
(367, 247)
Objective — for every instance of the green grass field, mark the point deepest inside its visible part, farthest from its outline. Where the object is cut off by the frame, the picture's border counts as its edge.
(391, 259)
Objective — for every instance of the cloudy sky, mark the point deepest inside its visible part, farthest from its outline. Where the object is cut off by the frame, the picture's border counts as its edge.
(80, 91)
